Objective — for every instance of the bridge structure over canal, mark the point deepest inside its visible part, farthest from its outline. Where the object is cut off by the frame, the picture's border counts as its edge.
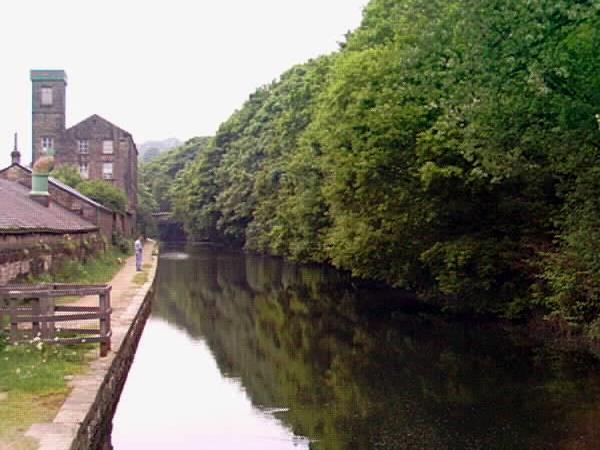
(169, 229)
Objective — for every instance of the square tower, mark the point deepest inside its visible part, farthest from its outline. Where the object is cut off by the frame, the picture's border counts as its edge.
(48, 97)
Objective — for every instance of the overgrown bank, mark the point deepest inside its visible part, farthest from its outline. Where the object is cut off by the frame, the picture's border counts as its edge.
(449, 147)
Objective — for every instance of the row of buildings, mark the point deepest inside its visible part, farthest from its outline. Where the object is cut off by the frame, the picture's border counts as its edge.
(41, 229)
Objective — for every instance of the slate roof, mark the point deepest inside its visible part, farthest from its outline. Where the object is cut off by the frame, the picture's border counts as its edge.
(65, 187)
(21, 214)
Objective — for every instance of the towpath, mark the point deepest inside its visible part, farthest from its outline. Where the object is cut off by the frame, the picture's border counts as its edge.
(129, 290)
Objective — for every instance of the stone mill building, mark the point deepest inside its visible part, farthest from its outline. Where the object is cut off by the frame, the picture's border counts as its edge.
(96, 147)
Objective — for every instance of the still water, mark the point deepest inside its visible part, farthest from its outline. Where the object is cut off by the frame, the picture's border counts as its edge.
(246, 352)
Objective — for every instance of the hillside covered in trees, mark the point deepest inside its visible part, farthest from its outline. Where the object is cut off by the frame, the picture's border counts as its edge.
(450, 147)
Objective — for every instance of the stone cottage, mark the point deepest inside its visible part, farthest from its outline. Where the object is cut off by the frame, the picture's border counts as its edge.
(107, 221)
(37, 233)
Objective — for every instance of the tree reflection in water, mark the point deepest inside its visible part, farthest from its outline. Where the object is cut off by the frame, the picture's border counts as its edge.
(360, 370)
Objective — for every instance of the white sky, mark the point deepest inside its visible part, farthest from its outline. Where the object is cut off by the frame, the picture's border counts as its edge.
(159, 69)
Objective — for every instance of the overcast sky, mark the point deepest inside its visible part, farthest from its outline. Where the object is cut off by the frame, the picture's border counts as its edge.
(159, 69)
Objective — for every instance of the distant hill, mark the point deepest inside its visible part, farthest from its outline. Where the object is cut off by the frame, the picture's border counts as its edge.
(151, 149)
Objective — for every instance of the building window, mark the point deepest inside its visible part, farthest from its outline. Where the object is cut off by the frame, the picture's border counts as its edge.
(46, 96)
(84, 170)
(107, 147)
(47, 143)
(107, 171)
(84, 146)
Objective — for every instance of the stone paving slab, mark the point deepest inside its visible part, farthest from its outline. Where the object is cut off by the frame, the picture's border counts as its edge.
(126, 299)
(55, 435)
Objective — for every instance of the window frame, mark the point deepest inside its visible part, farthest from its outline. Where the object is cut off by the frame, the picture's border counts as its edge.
(46, 96)
(48, 139)
(84, 170)
(106, 175)
(83, 145)
(112, 147)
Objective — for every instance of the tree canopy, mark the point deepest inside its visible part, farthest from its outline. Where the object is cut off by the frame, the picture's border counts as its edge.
(100, 191)
(448, 147)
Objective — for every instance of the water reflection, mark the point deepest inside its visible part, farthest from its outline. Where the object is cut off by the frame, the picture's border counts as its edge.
(177, 399)
(306, 347)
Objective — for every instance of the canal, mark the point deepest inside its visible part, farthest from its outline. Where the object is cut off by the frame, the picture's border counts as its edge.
(246, 352)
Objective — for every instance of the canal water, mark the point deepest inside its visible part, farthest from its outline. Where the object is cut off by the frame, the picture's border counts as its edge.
(245, 352)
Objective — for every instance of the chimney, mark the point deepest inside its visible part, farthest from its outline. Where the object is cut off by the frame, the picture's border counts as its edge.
(15, 155)
(39, 178)
(39, 189)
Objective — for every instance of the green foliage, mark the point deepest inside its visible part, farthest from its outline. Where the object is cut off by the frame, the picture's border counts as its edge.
(68, 174)
(157, 175)
(156, 181)
(122, 243)
(99, 269)
(448, 147)
(104, 193)
(146, 205)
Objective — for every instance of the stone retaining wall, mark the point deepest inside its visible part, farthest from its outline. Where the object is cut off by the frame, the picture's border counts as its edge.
(37, 253)
(97, 425)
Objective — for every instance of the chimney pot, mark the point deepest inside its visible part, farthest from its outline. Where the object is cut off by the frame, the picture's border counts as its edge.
(39, 189)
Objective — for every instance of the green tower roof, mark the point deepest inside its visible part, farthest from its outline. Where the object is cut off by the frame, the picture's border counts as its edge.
(48, 75)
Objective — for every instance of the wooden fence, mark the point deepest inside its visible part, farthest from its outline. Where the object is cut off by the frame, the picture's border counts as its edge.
(35, 304)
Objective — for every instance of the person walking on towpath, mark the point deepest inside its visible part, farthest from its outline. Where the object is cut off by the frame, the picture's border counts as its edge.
(138, 246)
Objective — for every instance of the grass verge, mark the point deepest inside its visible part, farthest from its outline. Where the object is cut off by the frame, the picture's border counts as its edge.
(101, 269)
(32, 376)
(33, 385)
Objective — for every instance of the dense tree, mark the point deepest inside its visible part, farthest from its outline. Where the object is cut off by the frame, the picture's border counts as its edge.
(157, 175)
(449, 147)
(104, 193)
(98, 190)
(68, 174)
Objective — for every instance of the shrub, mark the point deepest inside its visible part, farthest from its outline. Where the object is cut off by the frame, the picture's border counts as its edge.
(104, 193)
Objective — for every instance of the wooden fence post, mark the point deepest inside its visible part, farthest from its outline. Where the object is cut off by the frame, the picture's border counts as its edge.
(3, 305)
(105, 323)
(14, 327)
(36, 310)
(47, 309)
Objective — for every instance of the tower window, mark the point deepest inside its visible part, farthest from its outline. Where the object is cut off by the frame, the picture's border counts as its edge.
(84, 170)
(46, 96)
(107, 147)
(47, 143)
(84, 146)
(107, 171)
